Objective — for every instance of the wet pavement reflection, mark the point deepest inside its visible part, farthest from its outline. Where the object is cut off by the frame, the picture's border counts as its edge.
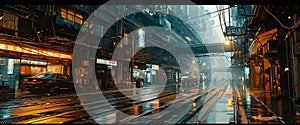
(67, 108)
(271, 109)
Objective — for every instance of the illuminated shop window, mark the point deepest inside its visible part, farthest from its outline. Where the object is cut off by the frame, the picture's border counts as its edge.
(71, 15)
(63, 13)
(79, 18)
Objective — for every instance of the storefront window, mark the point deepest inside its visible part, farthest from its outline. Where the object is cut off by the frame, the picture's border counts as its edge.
(78, 18)
(55, 68)
(9, 72)
(25, 70)
(37, 70)
(32, 70)
(71, 15)
(63, 13)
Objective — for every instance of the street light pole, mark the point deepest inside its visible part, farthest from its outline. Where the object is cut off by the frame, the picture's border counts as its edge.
(132, 59)
(287, 66)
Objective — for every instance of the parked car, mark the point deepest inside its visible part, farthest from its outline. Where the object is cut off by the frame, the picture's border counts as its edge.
(48, 83)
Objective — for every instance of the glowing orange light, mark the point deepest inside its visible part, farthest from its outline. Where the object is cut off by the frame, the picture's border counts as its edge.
(2, 46)
(14, 48)
(227, 42)
(19, 49)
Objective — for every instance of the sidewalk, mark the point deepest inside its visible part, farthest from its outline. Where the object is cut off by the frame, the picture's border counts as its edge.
(267, 108)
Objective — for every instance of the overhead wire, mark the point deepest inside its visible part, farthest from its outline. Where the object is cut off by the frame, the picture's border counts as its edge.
(224, 19)
(229, 17)
(292, 27)
(217, 11)
(223, 15)
(229, 21)
(213, 27)
(220, 20)
(220, 61)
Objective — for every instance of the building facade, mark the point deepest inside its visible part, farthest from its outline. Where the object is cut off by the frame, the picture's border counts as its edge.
(274, 49)
(38, 39)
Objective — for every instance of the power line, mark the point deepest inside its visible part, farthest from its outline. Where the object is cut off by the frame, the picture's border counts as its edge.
(212, 12)
(213, 27)
(220, 20)
(205, 19)
(292, 27)
(223, 15)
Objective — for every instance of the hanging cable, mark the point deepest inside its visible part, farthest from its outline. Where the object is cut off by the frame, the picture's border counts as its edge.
(212, 27)
(217, 11)
(224, 19)
(229, 17)
(53, 28)
(220, 20)
(223, 15)
(293, 27)
(37, 34)
(229, 20)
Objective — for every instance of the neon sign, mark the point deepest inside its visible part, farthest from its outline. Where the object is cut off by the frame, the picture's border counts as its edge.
(107, 62)
(34, 51)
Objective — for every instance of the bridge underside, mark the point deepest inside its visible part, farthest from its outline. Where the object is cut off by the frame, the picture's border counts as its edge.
(211, 48)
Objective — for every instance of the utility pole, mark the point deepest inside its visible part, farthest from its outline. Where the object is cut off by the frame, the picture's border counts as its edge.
(132, 59)
(294, 61)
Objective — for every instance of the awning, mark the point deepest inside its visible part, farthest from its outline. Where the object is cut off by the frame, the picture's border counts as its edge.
(261, 39)
(31, 50)
(266, 64)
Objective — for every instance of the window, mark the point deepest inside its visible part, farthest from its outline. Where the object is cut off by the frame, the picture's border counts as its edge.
(63, 13)
(8, 20)
(78, 18)
(71, 15)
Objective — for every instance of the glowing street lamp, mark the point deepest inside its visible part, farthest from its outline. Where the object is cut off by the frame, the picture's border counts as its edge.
(286, 69)
(140, 31)
(188, 38)
(193, 61)
(227, 42)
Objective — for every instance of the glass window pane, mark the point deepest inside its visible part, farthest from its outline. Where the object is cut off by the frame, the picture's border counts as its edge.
(78, 20)
(71, 15)
(79, 16)
(63, 13)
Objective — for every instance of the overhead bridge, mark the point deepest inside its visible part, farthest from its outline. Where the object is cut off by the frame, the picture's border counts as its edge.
(211, 48)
